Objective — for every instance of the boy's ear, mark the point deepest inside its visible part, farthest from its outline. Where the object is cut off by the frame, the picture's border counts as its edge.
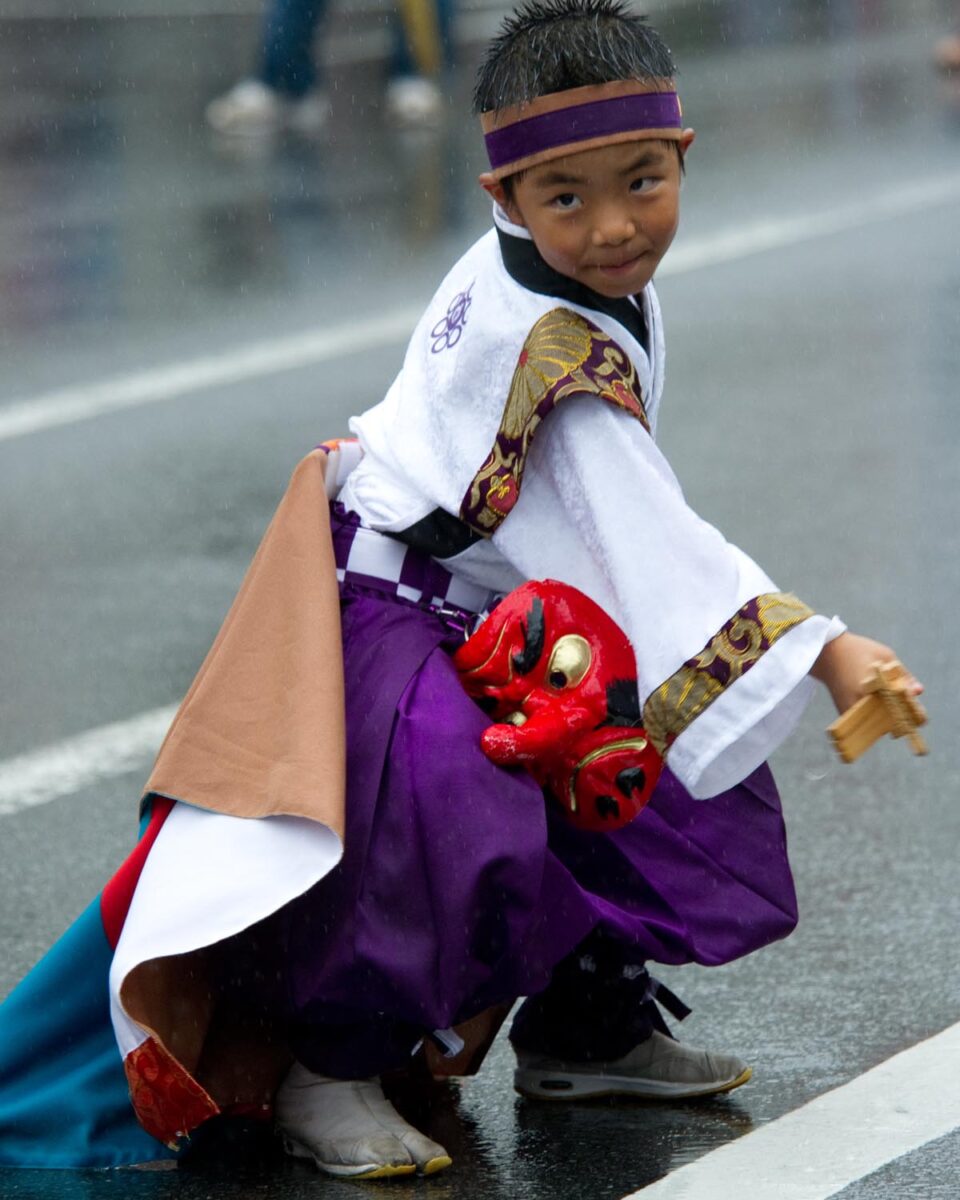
(686, 141)
(495, 189)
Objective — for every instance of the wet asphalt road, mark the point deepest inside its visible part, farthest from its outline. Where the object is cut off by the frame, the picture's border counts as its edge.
(811, 412)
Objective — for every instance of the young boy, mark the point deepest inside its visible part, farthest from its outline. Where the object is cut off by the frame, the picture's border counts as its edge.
(516, 444)
(552, 320)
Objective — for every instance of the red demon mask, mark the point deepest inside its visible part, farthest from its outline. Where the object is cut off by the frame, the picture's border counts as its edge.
(558, 677)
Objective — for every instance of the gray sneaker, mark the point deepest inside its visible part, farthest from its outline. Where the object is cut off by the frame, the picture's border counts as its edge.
(657, 1069)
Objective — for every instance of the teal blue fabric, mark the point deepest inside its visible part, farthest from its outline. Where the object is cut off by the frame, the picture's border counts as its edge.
(63, 1092)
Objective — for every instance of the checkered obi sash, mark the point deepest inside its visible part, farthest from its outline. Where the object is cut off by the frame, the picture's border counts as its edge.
(377, 562)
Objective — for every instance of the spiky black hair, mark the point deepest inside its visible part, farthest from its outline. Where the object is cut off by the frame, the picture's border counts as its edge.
(552, 45)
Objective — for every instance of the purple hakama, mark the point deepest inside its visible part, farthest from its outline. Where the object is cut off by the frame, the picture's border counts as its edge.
(460, 888)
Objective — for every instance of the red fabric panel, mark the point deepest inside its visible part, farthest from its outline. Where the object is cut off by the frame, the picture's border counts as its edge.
(169, 1102)
(116, 896)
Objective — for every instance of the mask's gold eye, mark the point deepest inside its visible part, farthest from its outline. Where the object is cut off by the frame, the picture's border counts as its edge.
(569, 661)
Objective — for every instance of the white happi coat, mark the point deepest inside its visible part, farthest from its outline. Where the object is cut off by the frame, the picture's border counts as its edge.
(599, 508)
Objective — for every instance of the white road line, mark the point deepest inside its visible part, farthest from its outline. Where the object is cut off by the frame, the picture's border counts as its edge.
(817, 1150)
(64, 768)
(67, 405)
(781, 232)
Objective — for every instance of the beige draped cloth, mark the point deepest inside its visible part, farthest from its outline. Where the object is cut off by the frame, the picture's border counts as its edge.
(259, 733)
(261, 730)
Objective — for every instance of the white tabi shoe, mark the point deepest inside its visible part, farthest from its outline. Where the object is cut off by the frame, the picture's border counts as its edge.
(657, 1069)
(349, 1128)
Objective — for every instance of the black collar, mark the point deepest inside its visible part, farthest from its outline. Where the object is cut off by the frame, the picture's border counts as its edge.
(524, 264)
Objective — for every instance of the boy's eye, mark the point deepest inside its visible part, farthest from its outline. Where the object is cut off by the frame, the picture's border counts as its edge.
(566, 200)
(643, 184)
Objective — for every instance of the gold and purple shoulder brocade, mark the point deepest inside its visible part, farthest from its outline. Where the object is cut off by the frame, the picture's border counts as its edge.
(564, 355)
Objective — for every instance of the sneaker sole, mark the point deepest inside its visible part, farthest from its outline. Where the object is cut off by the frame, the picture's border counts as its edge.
(437, 1164)
(361, 1170)
(546, 1085)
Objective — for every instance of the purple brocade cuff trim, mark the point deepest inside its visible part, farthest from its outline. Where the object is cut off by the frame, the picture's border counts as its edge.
(728, 656)
(600, 118)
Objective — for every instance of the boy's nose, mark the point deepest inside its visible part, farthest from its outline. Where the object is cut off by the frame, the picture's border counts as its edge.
(614, 228)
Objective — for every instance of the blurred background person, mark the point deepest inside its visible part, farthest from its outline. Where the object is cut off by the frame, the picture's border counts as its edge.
(287, 89)
(946, 53)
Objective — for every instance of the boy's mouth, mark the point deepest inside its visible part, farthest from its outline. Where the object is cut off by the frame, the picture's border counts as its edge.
(620, 266)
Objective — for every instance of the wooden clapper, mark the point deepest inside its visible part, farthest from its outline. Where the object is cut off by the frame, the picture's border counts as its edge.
(888, 708)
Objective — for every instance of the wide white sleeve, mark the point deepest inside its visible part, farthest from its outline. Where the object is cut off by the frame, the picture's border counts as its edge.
(722, 657)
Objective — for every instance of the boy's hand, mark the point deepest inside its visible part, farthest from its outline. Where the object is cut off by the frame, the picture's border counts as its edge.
(846, 663)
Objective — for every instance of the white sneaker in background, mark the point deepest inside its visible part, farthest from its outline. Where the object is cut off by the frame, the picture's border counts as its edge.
(414, 100)
(349, 1128)
(251, 109)
(309, 114)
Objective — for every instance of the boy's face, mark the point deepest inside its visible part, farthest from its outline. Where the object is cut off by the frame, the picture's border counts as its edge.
(603, 217)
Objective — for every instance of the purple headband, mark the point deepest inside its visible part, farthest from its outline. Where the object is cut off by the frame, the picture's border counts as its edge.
(579, 119)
